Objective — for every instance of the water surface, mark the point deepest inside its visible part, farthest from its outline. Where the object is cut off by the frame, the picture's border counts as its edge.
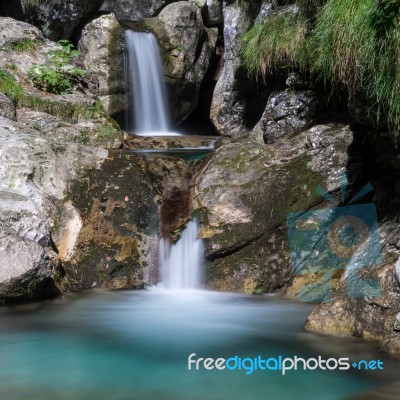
(134, 345)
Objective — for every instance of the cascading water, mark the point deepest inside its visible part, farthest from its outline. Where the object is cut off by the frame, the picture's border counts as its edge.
(150, 114)
(181, 263)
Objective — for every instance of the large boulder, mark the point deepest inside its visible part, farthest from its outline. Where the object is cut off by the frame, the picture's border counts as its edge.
(27, 271)
(102, 45)
(73, 205)
(244, 193)
(287, 113)
(133, 10)
(57, 19)
(186, 46)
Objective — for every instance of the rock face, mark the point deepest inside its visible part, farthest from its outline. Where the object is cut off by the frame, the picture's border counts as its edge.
(186, 47)
(287, 113)
(244, 192)
(56, 18)
(102, 45)
(235, 109)
(7, 107)
(114, 247)
(133, 10)
(34, 174)
(59, 206)
(76, 116)
(373, 312)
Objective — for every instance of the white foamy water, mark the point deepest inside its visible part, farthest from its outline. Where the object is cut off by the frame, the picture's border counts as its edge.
(181, 263)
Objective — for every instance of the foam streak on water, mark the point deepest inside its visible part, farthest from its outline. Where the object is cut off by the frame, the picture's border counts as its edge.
(146, 80)
(181, 263)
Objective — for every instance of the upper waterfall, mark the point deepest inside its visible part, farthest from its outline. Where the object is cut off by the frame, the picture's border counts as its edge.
(145, 80)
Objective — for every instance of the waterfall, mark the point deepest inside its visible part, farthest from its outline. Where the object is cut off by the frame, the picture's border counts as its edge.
(181, 263)
(145, 80)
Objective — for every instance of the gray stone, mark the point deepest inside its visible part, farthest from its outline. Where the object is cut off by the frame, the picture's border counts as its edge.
(27, 271)
(102, 47)
(213, 13)
(287, 113)
(234, 101)
(186, 47)
(133, 10)
(56, 18)
(7, 107)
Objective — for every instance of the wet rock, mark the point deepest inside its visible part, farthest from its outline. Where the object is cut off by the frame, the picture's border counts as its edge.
(57, 19)
(102, 45)
(7, 107)
(186, 46)
(115, 246)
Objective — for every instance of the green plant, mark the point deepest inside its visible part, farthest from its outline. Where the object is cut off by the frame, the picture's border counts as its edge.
(59, 76)
(26, 45)
(9, 86)
(384, 16)
(358, 43)
(273, 44)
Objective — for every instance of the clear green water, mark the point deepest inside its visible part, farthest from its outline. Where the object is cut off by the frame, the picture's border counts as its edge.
(134, 345)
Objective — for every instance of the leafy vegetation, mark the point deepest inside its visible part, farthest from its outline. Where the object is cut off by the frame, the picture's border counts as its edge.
(60, 75)
(70, 112)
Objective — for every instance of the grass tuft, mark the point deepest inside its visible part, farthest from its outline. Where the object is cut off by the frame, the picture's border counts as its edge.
(273, 44)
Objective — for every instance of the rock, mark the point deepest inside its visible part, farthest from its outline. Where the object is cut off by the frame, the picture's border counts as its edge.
(57, 19)
(133, 10)
(7, 107)
(366, 303)
(27, 271)
(22, 46)
(99, 223)
(367, 317)
(213, 13)
(234, 106)
(102, 45)
(244, 193)
(101, 132)
(287, 113)
(77, 115)
(186, 47)
(115, 247)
